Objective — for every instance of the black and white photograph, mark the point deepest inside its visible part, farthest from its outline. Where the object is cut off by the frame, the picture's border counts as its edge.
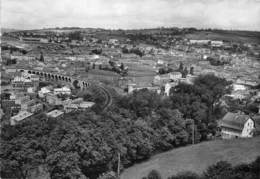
(130, 89)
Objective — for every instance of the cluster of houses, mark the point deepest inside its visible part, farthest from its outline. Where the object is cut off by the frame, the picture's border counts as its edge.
(25, 98)
(59, 97)
(165, 81)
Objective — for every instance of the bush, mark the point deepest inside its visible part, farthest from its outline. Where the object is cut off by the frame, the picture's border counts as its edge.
(220, 168)
(185, 175)
(154, 174)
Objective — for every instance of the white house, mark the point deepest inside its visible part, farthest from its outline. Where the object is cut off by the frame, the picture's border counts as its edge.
(42, 93)
(216, 43)
(86, 104)
(168, 87)
(63, 90)
(234, 125)
(238, 87)
(162, 79)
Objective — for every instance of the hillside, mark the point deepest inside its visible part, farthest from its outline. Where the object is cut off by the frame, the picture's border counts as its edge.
(197, 157)
(226, 35)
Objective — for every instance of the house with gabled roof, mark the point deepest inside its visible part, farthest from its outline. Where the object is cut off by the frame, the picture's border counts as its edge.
(234, 125)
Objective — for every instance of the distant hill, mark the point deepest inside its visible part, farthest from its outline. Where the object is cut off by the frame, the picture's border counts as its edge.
(189, 33)
(3, 30)
(226, 35)
(197, 157)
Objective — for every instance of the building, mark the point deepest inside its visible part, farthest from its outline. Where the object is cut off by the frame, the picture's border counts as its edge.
(86, 104)
(168, 87)
(1, 112)
(113, 42)
(44, 40)
(241, 95)
(162, 79)
(53, 99)
(26, 105)
(55, 113)
(77, 100)
(7, 104)
(20, 117)
(63, 90)
(20, 83)
(35, 107)
(30, 39)
(238, 87)
(70, 107)
(20, 99)
(42, 93)
(234, 125)
(200, 42)
(216, 43)
(132, 87)
(190, 79)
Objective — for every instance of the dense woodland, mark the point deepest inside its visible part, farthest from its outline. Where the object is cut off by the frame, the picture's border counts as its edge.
(87, 144)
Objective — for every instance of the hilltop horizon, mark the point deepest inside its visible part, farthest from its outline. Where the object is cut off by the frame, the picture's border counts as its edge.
(6, 29)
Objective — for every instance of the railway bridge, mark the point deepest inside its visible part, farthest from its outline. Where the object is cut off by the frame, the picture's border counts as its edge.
(76, 83)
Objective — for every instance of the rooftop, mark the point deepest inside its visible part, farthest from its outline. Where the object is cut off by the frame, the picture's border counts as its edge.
(21, 116)
(234, 121)
(55, 113)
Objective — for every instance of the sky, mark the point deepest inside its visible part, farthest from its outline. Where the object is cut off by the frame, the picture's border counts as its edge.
(131, 14)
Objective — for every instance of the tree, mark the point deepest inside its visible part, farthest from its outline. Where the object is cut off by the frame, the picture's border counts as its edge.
(41, 57)
(221, 169)
(212, 88)
(76, 35)
(154, 174)
(64, 165)
(122, 67)
(200, 101)
(185, 175)
(185, 72)
(181, 67)
(192, 70)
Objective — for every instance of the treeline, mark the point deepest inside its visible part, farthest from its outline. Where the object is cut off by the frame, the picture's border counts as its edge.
(87, 144)
(220, 170)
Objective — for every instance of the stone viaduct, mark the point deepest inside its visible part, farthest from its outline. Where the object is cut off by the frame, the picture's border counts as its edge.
(76, 83)
(73, 81)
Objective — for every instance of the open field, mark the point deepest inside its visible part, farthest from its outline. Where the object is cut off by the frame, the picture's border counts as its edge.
(235, 36)
(197, 157)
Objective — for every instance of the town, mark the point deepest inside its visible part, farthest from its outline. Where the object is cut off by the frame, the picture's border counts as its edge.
(34, 61)
(151, 89)
(56, 73)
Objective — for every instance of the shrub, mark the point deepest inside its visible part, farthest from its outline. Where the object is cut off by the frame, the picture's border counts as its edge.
(154, 174)
(185, 175)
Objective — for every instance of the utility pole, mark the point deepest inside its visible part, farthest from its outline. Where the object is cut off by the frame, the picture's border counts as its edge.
(193, 132)
(118, 165)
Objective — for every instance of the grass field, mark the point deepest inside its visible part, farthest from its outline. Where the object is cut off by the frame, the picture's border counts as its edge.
(197, 157)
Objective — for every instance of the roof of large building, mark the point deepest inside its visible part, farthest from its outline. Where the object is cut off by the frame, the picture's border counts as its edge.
(234, 121)
(21, 115)
(55, 113)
